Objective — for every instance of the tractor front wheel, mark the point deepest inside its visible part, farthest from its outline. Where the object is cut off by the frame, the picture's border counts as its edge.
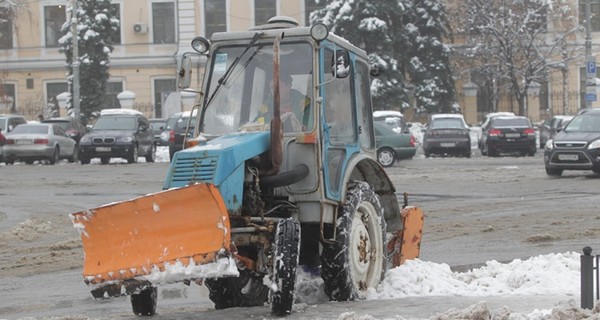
(247, 290)
(355, 261)
(286, 253)
(144, 302)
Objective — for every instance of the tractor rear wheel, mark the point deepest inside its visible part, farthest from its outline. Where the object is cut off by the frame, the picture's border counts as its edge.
(286, 253)
(247, 290)
(356, 261)
(144, 303)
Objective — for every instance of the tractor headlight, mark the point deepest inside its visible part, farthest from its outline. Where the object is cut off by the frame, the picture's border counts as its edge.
(200, 44)
(594, 145)
(319, 32)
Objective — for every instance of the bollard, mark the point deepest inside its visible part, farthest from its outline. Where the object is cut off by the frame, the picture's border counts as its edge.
(587, 279)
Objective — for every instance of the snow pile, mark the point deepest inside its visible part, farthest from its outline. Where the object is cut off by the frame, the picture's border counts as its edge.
(29, 230)
(177, 271)
(537, 275)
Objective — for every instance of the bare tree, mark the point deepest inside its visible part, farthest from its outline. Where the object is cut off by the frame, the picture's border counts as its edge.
(515, 42)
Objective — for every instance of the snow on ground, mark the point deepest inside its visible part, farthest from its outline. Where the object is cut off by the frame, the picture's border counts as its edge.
(552, 274)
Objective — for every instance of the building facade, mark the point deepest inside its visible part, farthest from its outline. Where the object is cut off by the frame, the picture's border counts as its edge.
(152, 34)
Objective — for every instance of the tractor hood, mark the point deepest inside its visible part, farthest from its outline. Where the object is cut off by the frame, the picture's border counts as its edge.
(219, 162)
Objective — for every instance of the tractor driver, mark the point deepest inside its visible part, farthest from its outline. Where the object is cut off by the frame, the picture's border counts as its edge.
(295, 107)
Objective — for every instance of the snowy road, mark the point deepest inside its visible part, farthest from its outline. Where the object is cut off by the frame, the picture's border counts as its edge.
(477, 210)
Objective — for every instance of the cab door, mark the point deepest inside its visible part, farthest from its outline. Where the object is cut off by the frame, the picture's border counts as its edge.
(339, 126)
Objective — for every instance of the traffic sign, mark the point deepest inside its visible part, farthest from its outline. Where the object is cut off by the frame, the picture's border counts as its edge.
(590, 97)
(591, 68)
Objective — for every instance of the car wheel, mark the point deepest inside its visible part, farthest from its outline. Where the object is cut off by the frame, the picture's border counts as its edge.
(151, 156)
(55, 156)
(467, 154)
(29, 161)
(386, 157)
(554, 172)
(144, 302)
(133, 157)
(104, 160)
(84, 160)
(489, 151)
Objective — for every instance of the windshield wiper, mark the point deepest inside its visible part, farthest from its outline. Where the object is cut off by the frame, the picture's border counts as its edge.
(225, 76)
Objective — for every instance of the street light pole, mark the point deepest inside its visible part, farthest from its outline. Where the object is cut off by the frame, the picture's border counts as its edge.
(588, 42)
(75, 60)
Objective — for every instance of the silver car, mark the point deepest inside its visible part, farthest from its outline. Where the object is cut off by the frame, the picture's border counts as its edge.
(39, 141)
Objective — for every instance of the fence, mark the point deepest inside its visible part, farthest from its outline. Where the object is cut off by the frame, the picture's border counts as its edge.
(589, 278)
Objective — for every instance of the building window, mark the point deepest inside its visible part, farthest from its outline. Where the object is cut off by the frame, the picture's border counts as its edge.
(310, 6)
(8, 101)
(113, 88)
(6, 33)
(116, 12)
(162, 89)
(54, 18)
(264, 10)
(163, 22)
(215, 16)
(594, 14)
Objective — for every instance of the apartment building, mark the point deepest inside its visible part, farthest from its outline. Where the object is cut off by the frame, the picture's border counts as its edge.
(152, 34)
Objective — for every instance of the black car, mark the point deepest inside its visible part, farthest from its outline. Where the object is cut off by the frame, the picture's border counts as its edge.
(551, 127)
(158, 126)
(507, 134)
(118, 133)
(577, 146)
(176, 129)
(447, 134)
(74, 128)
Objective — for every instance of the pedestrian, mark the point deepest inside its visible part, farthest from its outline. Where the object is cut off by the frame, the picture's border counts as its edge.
(40, 117)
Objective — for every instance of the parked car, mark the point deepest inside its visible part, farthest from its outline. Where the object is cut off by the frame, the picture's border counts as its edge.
(447, 134)
(176, 129)
(158, 126)
(486, 122)
(508, 134)
(393, 119)
(9, 121)
(391, 145)
(551, 126)
(39, 141)
(73, 127)
(577, 146)
(118, 133)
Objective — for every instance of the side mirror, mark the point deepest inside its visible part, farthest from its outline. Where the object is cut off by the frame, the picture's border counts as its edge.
(184, 72)
(340, 67)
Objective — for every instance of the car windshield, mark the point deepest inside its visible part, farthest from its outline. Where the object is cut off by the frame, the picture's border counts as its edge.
(27, 129)
(510, 122)
(245, 95)
(447, 123)
(116, 123)
(584, 123)
(156, 125)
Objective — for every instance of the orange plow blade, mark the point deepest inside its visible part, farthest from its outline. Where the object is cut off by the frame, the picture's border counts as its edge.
(406, 243)
(169, 236)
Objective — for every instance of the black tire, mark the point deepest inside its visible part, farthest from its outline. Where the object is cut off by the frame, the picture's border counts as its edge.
(144, 303)
(133, 157)
(286, 252)
(84, 160)
(247, 290)
(554, 172)
(356, 260)
(55, 156)
(386, 157)
(29, 161)
(151, 156)
(104, 160)
(490, 152)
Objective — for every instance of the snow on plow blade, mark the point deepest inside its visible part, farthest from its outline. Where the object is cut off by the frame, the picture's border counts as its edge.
(169, 236)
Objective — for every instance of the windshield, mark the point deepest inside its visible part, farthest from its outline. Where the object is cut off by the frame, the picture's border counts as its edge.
(245, 100)
(25, 129)
(510, 122)
(584, 123)
(447, 123)
(116, 123)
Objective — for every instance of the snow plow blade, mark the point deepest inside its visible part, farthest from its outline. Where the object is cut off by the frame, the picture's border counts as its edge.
(175, 235)
(406, 243)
